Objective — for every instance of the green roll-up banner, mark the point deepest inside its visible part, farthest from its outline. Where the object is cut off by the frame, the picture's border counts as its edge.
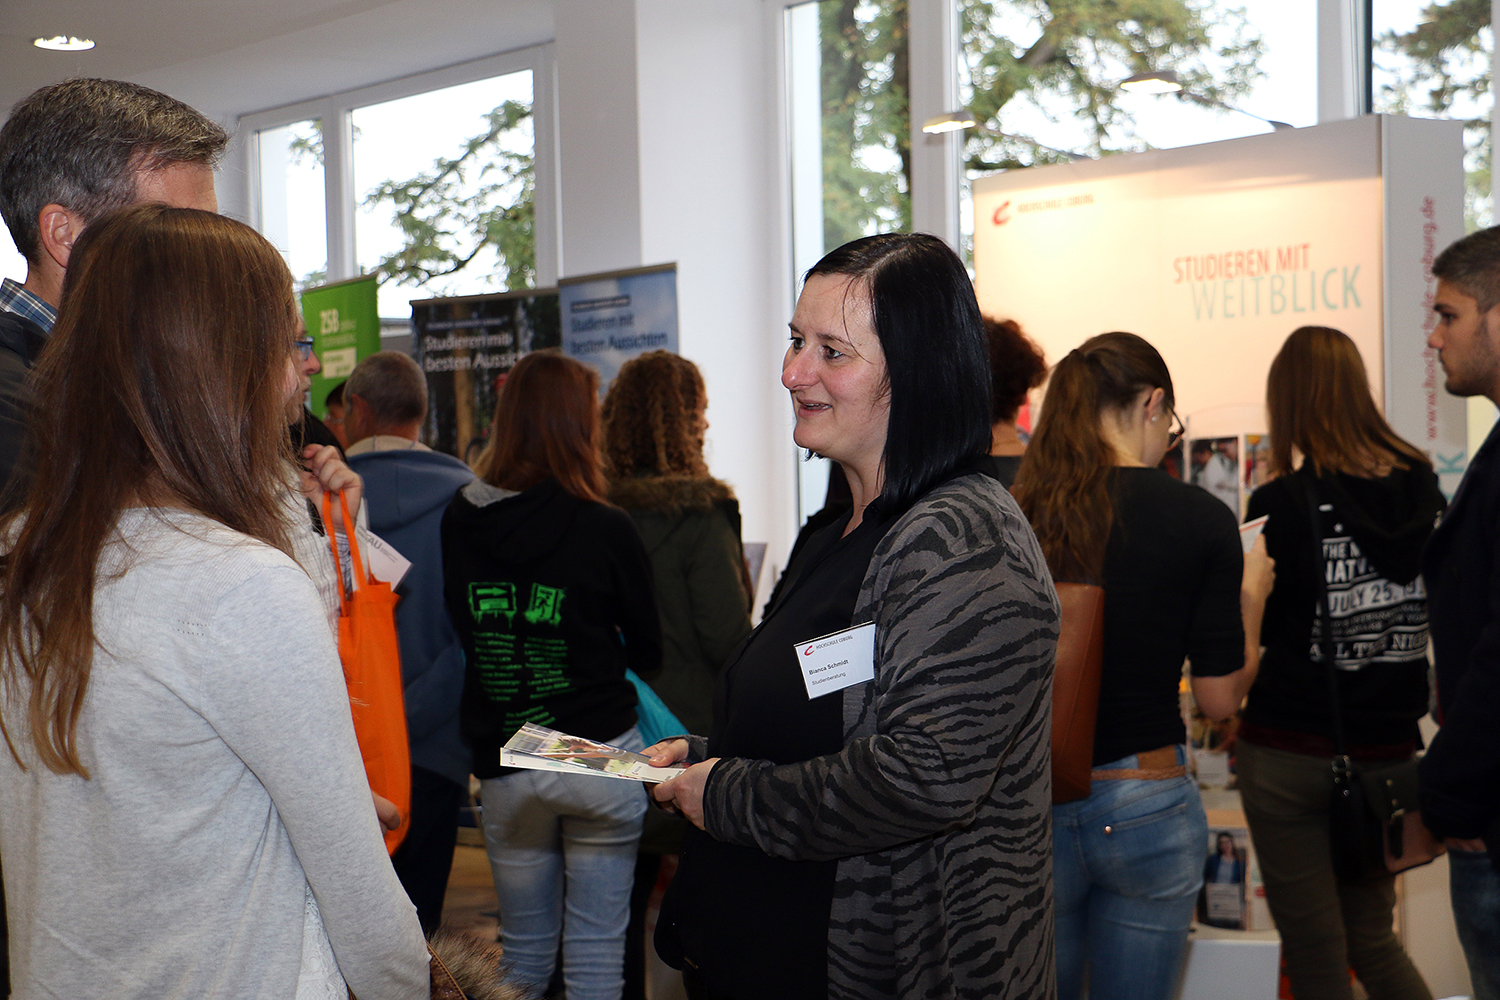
(343, 320)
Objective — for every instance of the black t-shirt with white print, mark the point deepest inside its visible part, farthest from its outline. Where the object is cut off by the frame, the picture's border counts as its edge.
(1372, 532)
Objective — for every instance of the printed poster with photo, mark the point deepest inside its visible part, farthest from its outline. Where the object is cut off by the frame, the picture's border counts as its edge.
(1214, 464)
(1257, 453)
(1224, 901)
(343, 320)
(465, 346)
(607, 319)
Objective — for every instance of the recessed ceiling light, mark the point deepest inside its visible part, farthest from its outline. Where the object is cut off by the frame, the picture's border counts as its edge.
(64, 43)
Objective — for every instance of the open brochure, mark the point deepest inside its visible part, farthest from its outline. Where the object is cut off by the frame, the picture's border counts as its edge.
(543, 749)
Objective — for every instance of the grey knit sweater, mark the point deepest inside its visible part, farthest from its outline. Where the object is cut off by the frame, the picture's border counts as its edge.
(938, 809)
(225, 845)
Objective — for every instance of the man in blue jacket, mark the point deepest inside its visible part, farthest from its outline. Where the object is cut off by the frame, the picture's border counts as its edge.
(407, 488)
(1460, 775)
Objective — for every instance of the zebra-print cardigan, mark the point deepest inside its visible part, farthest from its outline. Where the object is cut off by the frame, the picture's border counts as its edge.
(938, 809)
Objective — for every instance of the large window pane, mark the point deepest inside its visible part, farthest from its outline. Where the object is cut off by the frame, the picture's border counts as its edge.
(1432, 60)
(849, 75)
(292, 210)
(850, 121)
(445, 186)
(1042, 79)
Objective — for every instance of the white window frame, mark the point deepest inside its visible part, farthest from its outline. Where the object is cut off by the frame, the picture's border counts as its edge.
(336, 112)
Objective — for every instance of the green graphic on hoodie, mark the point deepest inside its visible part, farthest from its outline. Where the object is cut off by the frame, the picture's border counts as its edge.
(492, 600)
(519, 671)
(546, 605)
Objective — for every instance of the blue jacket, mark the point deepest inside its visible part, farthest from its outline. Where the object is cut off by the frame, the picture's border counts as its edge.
(407, 492)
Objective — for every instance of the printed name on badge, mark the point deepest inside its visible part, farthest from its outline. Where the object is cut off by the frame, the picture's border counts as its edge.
(833, 662)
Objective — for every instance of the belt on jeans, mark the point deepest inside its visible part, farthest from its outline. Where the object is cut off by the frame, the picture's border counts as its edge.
(1153, 765)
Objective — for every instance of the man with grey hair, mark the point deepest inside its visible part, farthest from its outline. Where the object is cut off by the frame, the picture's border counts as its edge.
(70, 153)
(1460, 775)
(407, 490)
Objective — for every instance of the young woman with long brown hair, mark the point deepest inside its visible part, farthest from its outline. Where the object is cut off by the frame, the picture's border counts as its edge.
(183, 809)
(1128, 859)
(1378, 499)
(549, 589)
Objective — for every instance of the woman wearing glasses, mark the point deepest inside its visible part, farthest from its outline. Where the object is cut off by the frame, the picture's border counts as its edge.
(306, 428)
(1128, 859)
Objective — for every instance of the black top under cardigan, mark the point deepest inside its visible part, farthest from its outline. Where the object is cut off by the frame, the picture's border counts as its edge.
(761, 711)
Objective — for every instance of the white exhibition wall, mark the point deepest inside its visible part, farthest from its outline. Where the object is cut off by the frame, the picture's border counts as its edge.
(1214, 253)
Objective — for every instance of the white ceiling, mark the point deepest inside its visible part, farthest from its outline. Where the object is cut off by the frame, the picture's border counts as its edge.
(233, 57)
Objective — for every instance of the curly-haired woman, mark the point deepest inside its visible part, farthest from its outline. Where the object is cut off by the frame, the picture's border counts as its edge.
(1017, 366)
(654, 419)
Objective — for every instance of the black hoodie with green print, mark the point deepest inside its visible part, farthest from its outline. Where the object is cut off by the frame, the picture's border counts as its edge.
(552, 598)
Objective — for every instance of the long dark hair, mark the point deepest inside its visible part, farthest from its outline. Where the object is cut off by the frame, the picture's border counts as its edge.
(1318, 400)
(546, 427)
(936, 356)
(162, 384)
(1062, 485)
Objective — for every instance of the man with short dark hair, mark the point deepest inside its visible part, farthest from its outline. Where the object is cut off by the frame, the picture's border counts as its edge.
(407, 489)
(69, 153)
(1460, 775)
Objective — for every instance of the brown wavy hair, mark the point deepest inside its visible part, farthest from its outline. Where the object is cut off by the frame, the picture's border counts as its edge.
(1063, 483)
(546, 426)
(1017, 365)
(162, 384)
(651, 425)
(1318, 400)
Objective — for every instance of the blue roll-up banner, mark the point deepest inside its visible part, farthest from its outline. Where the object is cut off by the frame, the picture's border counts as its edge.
(607, 319)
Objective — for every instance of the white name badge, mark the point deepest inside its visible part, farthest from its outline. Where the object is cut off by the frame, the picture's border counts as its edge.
(839, 660)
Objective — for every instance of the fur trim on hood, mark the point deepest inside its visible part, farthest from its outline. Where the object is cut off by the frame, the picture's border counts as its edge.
(669, 494)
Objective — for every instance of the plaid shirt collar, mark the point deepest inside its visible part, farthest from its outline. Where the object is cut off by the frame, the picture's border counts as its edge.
(16, 299)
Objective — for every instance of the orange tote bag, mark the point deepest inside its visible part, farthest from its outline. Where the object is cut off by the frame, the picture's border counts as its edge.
(372, 669)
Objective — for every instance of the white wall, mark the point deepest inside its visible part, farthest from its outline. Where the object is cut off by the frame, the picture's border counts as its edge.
(710, 199)
(598, 140)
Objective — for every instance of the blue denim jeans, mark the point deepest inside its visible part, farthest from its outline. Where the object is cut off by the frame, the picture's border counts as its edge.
(1127, 867)
(562, 850)
(1474, 887)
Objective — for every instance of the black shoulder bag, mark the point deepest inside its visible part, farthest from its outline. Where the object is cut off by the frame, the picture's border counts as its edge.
(1374, 823)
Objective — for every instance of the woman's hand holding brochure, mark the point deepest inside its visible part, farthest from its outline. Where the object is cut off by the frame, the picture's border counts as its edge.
(543, 749)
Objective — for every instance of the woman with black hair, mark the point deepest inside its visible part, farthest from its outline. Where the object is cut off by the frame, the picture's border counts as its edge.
(882, 834)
